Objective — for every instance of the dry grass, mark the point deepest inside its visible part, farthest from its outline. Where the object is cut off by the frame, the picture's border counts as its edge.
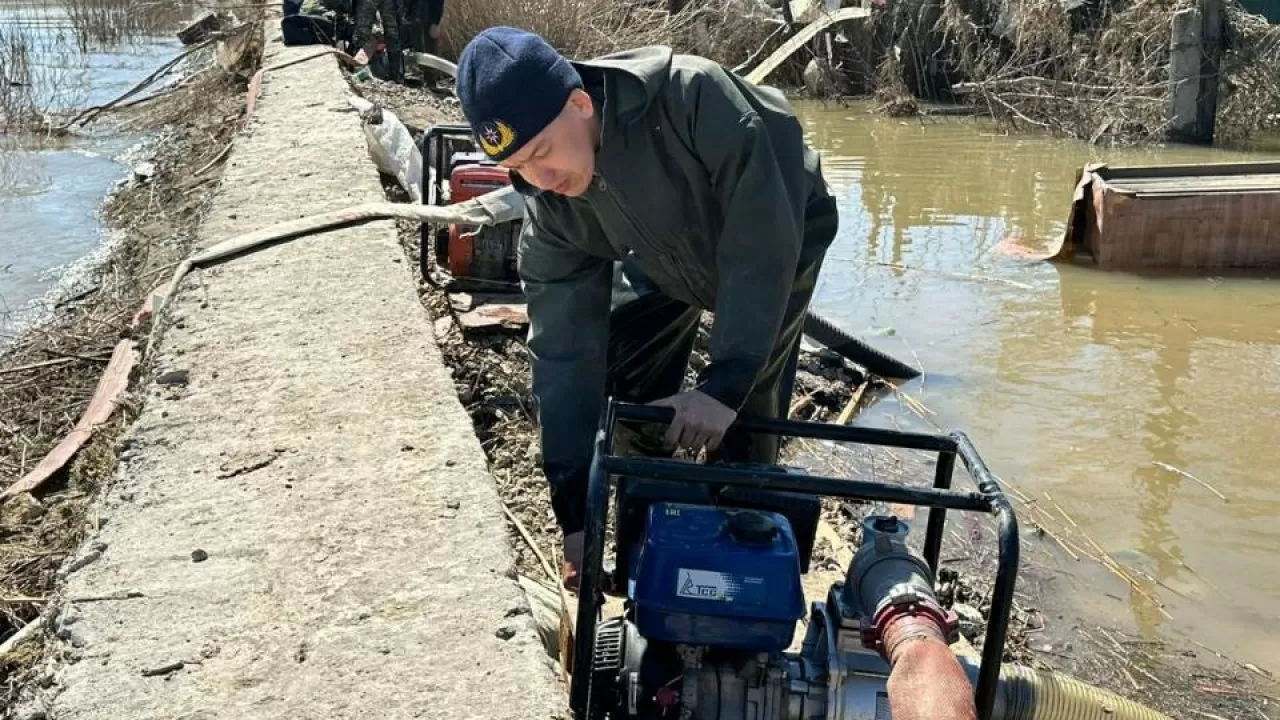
(727, 31)
(44, 47)
(1099, 72)
(1250, 99)
(49, 371)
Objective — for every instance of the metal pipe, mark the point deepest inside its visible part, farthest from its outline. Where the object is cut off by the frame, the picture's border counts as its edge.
(781, 480)
(938, 516)
(1006, 575)
(805, 429)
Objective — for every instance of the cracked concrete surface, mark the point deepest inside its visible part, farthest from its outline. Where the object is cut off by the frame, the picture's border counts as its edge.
(309, 518)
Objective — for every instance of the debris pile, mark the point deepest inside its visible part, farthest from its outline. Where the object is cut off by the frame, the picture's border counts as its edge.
(727, 31)
(49, 369)
(1094, 71)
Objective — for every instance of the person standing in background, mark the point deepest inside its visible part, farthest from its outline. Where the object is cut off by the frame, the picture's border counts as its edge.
(386, 12)
(422, 21)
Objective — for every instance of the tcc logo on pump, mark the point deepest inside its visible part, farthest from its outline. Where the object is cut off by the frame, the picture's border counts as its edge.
(702, 584)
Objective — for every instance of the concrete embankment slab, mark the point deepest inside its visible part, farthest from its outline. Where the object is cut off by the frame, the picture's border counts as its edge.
(350, 558)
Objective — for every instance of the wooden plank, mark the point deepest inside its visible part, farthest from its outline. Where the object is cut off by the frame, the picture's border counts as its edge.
(1109, 172)
(797, 41)
(1199, 184)
(1185, 231)
(199, 29)
(495, 316)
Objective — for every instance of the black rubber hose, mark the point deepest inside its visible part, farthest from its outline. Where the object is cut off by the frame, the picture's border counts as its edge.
(854, 350)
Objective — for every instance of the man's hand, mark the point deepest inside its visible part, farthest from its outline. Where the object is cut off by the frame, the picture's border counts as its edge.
(927, 683)
(362, 57)
(701, 420)
(572, 565)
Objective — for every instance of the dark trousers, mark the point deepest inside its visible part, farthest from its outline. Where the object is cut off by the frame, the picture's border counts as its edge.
(419, 16)
(388, 13)
(651, 337)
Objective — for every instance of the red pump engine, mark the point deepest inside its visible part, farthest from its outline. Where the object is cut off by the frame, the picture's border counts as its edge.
(477, 257)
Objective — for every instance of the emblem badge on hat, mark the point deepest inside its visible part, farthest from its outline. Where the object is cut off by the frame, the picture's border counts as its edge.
(495, 137)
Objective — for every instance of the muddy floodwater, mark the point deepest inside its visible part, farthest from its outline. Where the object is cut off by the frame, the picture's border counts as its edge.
(51, 190)
(1094, 387)
(1089, 385)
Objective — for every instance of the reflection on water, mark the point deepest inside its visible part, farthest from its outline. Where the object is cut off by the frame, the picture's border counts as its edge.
(50, 209)
(1070, 380)
(73, 54)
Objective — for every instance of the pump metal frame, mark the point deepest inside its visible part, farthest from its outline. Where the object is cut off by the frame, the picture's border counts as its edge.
(989, 498)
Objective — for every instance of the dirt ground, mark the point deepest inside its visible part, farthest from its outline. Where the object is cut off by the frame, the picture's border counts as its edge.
(491, 373)
(152, 219)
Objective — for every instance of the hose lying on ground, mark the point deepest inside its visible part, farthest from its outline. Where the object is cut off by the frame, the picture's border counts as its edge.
(1026, 694)
(492, 208)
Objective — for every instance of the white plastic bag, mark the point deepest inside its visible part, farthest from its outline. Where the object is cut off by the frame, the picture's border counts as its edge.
(391, 146)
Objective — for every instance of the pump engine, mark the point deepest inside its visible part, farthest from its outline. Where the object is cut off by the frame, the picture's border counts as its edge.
(709, 560)
(714, 599)
(478, 257)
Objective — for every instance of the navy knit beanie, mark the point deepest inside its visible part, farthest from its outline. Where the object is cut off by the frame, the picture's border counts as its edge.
(511, 85)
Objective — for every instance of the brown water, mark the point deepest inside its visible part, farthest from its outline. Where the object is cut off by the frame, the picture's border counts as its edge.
(1071, 380)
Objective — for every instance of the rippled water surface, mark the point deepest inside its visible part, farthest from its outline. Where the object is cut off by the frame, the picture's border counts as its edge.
(1071, 380)
(50, 192)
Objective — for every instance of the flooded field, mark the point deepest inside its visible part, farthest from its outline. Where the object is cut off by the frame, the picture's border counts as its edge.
(1092, 386)
(51, 189)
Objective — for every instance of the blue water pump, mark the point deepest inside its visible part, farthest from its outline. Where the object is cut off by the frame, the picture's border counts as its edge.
(710, 558)
(718, 577)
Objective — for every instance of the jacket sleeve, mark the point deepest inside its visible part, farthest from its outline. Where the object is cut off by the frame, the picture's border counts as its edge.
(756, 168)
(568, 293)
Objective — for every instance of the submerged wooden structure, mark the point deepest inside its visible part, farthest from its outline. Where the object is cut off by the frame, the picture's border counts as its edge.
(1176, 217)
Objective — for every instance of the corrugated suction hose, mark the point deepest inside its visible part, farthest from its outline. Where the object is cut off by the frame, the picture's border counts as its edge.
(1027, 694)
(851, 348)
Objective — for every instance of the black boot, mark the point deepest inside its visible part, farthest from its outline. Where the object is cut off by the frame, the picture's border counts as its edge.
(395, 65)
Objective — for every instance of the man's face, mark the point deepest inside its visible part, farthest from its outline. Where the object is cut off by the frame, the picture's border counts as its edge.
(561, 159)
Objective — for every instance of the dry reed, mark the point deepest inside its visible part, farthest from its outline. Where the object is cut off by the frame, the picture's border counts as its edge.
(1099, 71)
(106, 23)
(38, 72)
(45, 46)
(48, 371)
(727, 31)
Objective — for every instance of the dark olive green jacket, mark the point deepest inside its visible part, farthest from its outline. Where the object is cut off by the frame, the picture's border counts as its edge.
(705, 178)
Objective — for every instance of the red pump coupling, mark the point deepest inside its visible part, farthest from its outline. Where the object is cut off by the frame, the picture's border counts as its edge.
(905, 614)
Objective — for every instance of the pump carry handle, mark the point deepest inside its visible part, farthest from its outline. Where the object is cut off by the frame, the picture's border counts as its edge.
(989, 498)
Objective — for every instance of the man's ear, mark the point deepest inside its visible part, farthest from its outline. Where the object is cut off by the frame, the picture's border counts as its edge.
(580, 101)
